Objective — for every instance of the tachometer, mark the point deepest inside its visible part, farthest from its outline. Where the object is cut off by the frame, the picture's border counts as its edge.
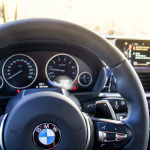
(19, 71)
(62, 70)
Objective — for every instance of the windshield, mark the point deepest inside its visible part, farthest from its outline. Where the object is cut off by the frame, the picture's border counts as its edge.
(128, 18)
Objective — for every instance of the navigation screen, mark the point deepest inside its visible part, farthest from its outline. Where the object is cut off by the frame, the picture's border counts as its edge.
(137, 51)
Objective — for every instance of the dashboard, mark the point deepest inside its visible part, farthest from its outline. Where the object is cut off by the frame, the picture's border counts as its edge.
(37, 66)
(26, 67)
(36, 63)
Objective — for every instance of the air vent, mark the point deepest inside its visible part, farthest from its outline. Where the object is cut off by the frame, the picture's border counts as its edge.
(145, 79)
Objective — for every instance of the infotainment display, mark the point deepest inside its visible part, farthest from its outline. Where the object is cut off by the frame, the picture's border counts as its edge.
(137, 52)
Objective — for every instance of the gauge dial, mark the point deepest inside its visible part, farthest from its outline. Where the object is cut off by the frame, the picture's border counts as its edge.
(19, 71)
(62, 70)
(1, 82)
(85, 79)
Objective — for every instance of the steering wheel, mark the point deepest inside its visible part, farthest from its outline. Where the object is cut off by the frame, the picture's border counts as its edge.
(52, 119)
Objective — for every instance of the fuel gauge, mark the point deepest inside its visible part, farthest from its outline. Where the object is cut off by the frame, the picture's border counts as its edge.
(85, 79)
(1, 82)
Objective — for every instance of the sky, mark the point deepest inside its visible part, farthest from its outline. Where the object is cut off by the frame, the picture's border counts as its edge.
(107, 17)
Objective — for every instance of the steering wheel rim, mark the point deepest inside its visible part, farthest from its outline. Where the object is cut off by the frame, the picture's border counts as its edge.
(128, 83)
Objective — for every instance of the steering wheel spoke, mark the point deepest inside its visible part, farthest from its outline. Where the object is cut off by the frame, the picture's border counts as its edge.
(111, 134)
(2, 124)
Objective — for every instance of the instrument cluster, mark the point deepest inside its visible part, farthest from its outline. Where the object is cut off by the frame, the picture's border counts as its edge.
(44, 70)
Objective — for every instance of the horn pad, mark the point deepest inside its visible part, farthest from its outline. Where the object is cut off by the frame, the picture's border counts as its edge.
(45, 108)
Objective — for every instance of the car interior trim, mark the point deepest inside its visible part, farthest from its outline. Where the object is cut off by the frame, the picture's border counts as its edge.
(2, 124)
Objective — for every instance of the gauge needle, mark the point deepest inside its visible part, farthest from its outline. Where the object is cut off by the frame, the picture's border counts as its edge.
(126, 52)
(84, 78)
(15, 74)
(58, 70)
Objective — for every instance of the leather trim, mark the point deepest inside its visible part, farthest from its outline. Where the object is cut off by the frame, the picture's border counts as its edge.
(130, 87)
(28, 29)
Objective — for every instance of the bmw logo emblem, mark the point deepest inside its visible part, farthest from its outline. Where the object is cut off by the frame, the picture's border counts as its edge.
(46, 136)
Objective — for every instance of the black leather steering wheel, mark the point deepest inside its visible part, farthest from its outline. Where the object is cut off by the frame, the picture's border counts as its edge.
(75, 129)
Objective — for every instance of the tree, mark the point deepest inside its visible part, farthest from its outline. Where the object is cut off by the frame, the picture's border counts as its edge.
(16, 11)
(3, 11)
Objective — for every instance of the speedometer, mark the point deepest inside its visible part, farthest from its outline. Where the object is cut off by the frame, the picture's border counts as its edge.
(19, 71)
(62, 70)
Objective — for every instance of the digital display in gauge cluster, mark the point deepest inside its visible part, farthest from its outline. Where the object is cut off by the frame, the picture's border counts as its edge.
(137, 52)
(22, 71)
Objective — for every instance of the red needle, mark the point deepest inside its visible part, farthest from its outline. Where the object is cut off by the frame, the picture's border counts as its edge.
(130, 47)
(126, 52)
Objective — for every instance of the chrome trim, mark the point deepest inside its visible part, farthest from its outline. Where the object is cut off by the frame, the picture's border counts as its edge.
(122, 136)
(119, 136)
(110, 82)
(109, 95)
(147, 94)
(88, 131)
(1, 131)
(116, 95)
(2, 82)
(88, 83)
(101, 136)
(71, 58)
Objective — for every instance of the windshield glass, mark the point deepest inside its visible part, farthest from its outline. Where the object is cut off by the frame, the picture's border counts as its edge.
(128, 18)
